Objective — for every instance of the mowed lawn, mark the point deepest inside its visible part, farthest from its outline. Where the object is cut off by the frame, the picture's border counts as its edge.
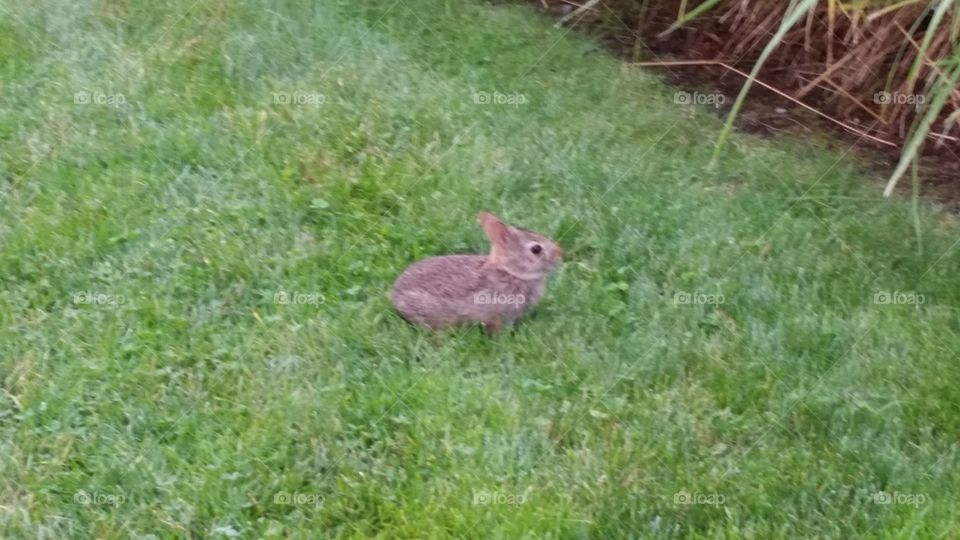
(203, 205)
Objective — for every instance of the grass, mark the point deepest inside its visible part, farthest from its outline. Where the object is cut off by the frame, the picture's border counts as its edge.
(203, 208)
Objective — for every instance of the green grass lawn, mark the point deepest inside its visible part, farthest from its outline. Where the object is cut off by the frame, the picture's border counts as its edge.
(204, 205)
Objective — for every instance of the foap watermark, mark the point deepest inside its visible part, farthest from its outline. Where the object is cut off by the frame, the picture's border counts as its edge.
(896, 497)
(499, 299)
(898, 298)
(684, 298)
(98, 299)
(485, 498)
(499, 98)
(84, 97)
(285, 498)
(715, 99)
(86, 498)
(896, 98)
(685, 497)
(299, 98)
(298, 298)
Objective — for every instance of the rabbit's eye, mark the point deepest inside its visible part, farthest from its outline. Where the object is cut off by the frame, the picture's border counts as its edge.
(536, 249)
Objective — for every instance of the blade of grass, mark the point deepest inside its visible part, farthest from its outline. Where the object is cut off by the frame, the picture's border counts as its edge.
(693, 14)
(915, 205)
(919, 134)
(799, 10)
(891, 8)
(928, 36)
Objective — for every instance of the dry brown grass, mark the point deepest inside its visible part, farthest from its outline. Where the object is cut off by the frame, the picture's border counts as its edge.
(872, 66)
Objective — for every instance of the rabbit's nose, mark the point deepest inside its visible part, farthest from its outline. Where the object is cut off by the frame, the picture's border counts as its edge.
(560, 252)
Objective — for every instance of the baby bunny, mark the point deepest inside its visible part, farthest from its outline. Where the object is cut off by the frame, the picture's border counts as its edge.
(492, 290)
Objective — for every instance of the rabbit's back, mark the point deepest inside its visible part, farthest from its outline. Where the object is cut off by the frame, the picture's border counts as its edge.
(458, 289)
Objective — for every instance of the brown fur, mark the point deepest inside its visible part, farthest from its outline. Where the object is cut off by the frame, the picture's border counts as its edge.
(492, 290)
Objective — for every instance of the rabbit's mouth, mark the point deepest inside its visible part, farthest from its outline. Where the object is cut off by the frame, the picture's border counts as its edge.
(557, 257)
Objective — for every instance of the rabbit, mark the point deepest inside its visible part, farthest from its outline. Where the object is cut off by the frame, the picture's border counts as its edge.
(493, 290)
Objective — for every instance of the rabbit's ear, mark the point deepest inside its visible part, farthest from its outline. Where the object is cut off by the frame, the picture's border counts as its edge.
(497, 231)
